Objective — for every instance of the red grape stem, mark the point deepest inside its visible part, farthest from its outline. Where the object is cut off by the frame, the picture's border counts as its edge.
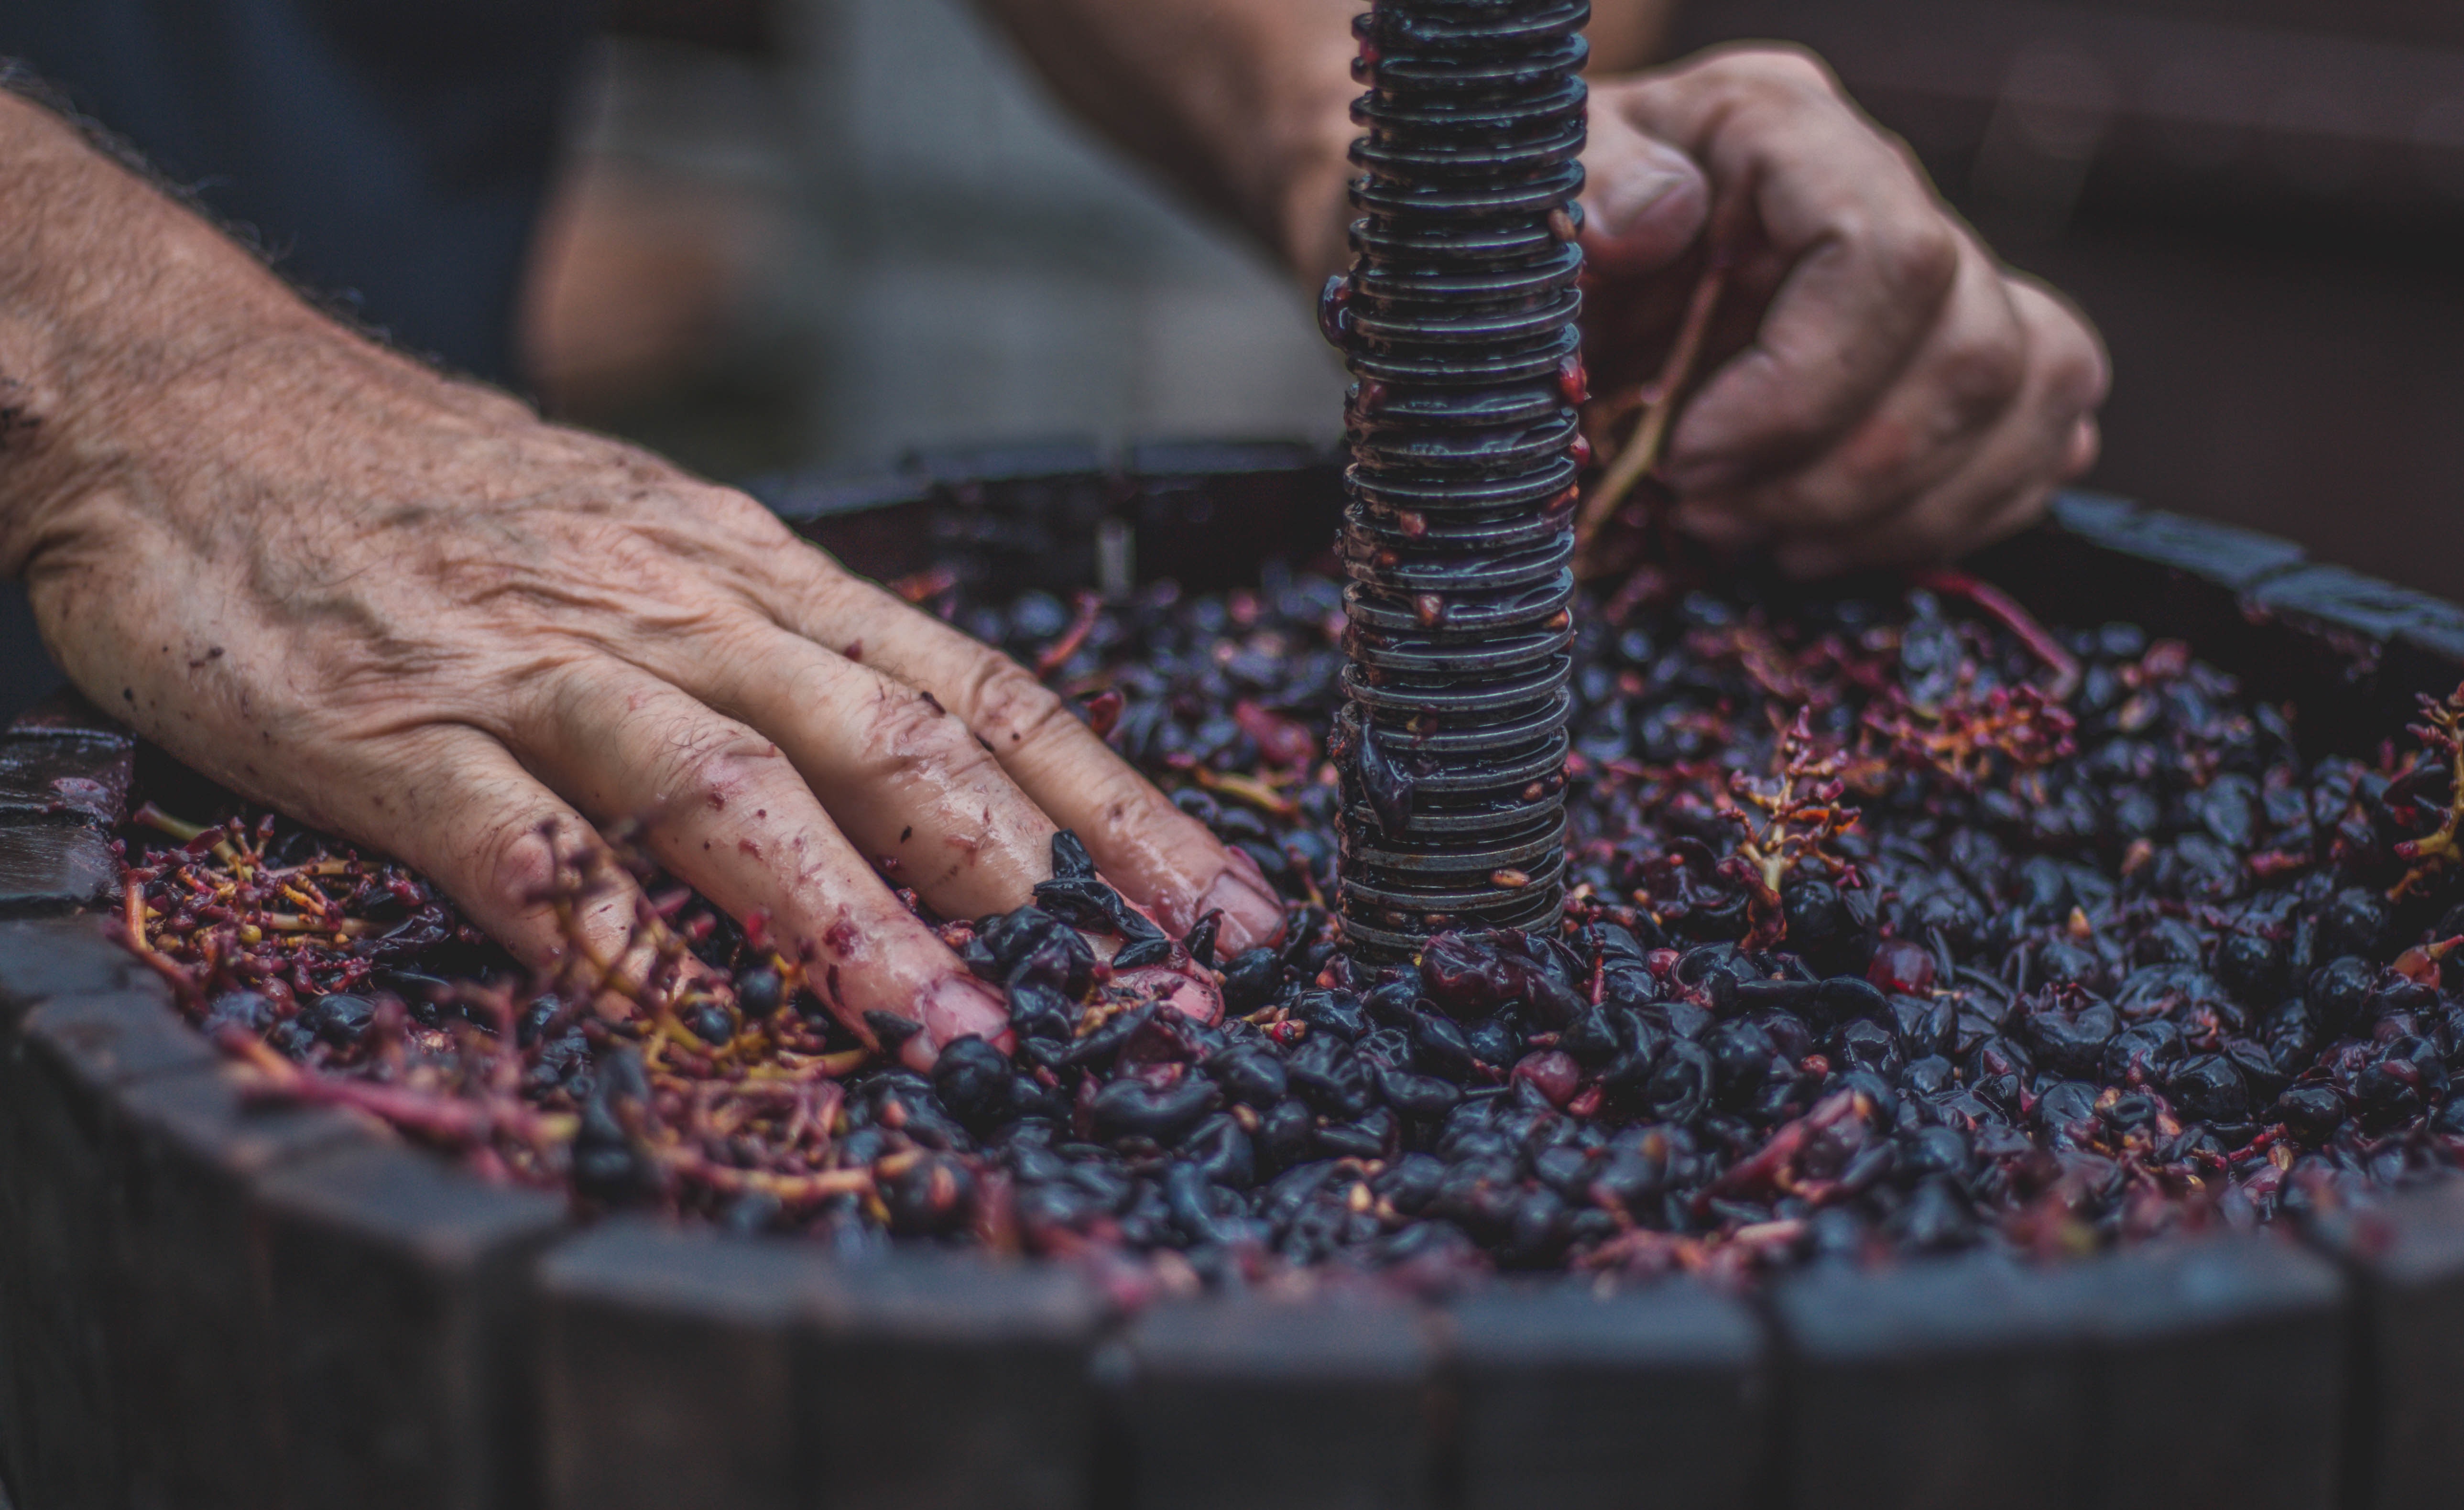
(2005, 610)
(1659, 396)
(1057, 654)
(2438, 849)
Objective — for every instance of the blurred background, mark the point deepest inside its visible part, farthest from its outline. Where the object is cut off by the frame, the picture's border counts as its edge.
(798, 233)
(821, 232)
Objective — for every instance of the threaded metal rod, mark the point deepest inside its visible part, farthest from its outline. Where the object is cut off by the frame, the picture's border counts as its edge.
(1457, 323)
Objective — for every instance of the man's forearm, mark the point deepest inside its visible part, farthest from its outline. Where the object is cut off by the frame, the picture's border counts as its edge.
(1242, 102)
(106, 289)
(1245, 103)
(148, 359)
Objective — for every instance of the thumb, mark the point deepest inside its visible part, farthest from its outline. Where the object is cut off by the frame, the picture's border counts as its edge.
(1644, 202)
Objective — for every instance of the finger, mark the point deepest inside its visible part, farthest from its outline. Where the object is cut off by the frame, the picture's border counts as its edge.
(723, 810)
(1718, 524)
(1923, 538)
(2087, 442)
(2007, 478)
(1644, 201)
(1972, 367)
(2083, 369)
(901, 777)
(1869, 256)
(1160, 858)
(453, 805)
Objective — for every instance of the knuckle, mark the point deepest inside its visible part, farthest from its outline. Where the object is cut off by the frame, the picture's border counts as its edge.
(906, 722)
(712, 763)
(2069, 358)
(1979, 371)
(2082, 375)
(818, 576)
(1917, 258)
(2086, 443)
(1774, 66)
(540, 688)
(912, 730)
(1797, 67)
(517, 859)
(1013, 710)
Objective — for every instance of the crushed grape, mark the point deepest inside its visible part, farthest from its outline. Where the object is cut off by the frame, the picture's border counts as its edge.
(1895, 926)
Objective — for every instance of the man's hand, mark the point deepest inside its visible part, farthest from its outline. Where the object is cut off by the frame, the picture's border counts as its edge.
(405, 611)
(1878, 389)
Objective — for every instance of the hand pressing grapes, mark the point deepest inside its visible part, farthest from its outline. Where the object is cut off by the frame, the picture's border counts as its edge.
(404, 610)
(1876, 388)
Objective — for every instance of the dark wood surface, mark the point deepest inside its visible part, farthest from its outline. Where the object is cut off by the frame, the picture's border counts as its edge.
(1563, 1398)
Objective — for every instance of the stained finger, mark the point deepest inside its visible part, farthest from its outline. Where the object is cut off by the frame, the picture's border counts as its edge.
(722, 809)
(456, 806)
(902, 777)
(1160, 858)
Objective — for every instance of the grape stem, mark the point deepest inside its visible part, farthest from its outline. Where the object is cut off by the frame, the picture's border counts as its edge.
(2005, 610)
(1659, 396)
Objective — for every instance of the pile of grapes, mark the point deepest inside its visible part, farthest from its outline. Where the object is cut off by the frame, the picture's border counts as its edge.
(1897, 923)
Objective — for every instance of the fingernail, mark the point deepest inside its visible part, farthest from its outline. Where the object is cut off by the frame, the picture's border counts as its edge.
(954, 1008)
(1620, 200)
(1252, 913)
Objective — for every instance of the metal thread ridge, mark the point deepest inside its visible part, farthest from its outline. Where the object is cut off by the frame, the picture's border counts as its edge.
(1456, 321)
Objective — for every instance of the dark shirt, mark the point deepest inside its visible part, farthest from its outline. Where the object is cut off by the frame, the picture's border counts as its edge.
(391, 155)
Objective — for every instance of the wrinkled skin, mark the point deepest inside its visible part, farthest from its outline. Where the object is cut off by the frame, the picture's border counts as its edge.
(526, 628)
(405, 610)
(1876, 388)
